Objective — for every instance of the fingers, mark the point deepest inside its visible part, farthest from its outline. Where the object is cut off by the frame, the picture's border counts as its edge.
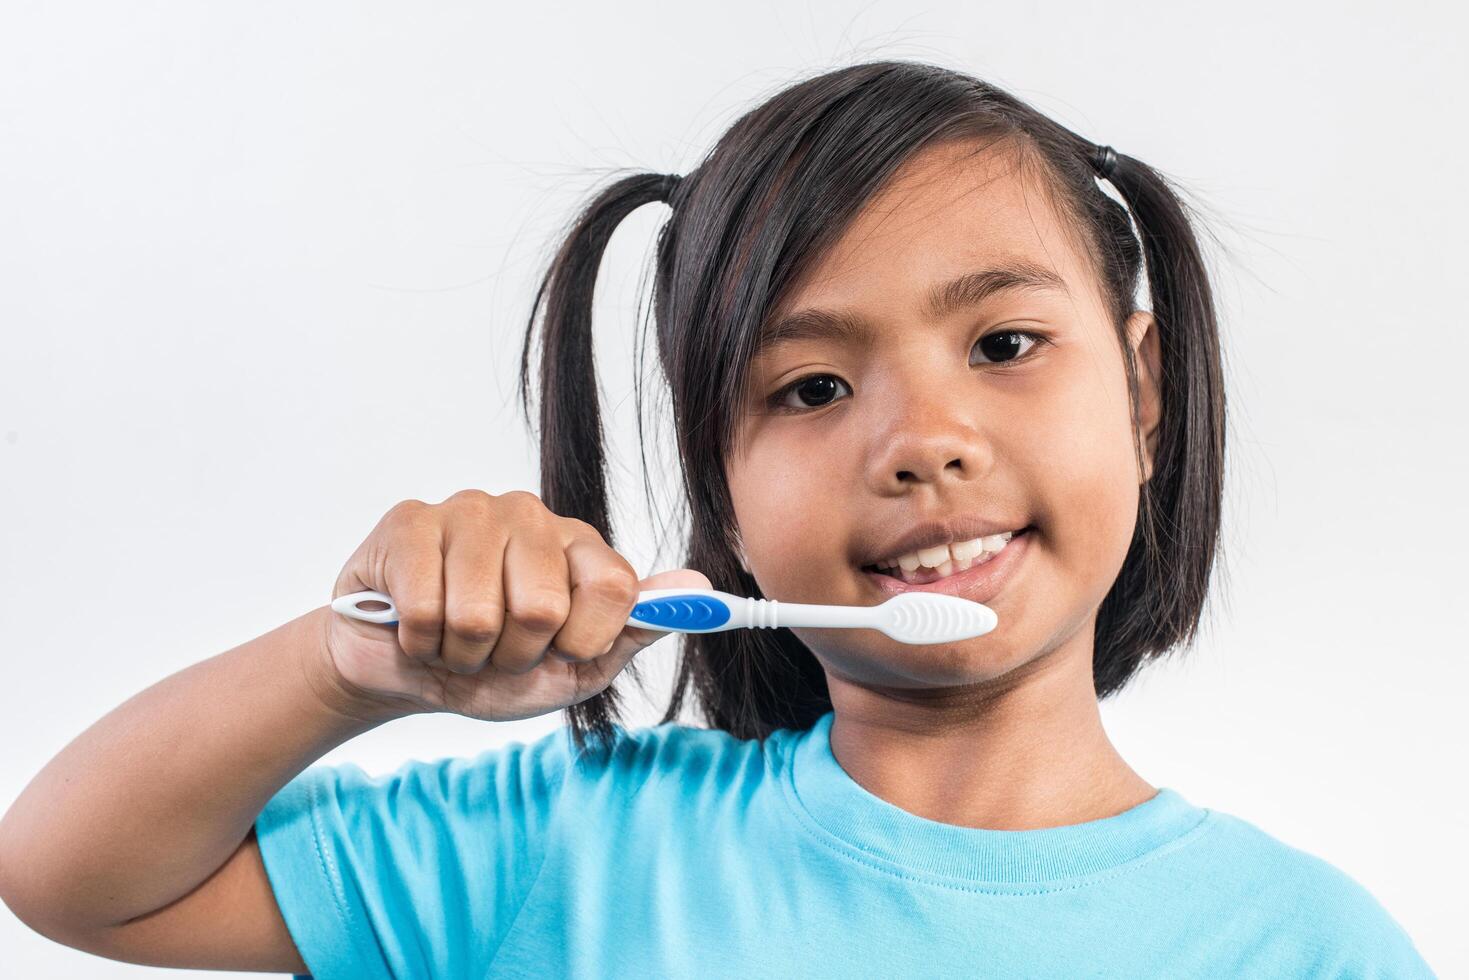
(414, 575)
(474, 554)
(604, 589)
(632, 638)
(537, 596)
(481, 580)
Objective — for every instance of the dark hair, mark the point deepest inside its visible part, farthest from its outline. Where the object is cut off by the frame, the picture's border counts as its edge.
(778, 188)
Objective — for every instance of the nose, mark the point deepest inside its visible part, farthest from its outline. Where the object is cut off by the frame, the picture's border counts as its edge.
(931, 441)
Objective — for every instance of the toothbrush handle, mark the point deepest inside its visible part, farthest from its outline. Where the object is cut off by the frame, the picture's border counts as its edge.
(675, 610)
(712, 611)
(808, 614)
(681, 610)
(347, 606)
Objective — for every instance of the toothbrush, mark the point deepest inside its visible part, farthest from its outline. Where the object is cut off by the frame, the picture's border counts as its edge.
(909, 617)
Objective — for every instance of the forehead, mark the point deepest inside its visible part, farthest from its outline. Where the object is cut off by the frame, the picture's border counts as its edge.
(951, 210)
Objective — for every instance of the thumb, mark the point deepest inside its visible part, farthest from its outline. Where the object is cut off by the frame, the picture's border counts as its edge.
(678, 578)
(634, 638)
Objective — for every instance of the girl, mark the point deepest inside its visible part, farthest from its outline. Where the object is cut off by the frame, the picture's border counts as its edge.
(895, 309)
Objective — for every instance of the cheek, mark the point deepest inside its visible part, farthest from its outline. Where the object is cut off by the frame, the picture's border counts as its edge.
(1090, 469)
(784, 504)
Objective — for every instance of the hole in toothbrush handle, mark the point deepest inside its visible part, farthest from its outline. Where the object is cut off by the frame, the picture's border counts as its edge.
(350, 606)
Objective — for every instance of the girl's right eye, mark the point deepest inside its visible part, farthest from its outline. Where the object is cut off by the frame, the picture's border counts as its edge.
(813, 391)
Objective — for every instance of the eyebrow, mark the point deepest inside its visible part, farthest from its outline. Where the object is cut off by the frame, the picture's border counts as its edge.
(971, 289)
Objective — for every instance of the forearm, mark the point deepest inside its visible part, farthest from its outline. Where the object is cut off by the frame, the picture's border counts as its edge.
(149, 801)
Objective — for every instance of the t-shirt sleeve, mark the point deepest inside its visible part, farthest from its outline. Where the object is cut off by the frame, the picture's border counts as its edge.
(416, 873)
(1353, 935)
(1371, 944)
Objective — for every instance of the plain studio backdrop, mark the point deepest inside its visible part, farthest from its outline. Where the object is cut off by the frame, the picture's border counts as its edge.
(266, 269)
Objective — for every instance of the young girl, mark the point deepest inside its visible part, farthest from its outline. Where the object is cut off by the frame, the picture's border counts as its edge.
(895, 309)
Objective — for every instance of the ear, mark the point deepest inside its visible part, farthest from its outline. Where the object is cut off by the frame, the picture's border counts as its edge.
(1142, 337)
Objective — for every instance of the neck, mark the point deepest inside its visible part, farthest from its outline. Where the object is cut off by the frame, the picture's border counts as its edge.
(1022, 752)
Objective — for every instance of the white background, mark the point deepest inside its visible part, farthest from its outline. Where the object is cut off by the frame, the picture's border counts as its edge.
(264, 270)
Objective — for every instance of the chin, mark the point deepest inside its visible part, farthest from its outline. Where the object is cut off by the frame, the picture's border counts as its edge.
(870, 658)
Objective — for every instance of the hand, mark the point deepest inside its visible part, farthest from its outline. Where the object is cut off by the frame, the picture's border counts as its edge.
(506, 610)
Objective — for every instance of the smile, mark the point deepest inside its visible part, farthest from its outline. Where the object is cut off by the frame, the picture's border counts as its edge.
(975, 569)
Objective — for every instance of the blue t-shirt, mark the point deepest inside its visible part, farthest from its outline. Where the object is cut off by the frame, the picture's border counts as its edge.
(690, 853)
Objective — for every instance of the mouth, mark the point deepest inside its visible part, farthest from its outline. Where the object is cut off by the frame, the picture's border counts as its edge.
(975, 569)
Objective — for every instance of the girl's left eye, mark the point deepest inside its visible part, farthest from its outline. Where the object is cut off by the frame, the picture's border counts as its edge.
(1000, 344)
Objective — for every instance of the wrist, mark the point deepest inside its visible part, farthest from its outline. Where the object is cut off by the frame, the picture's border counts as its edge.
(335, 693)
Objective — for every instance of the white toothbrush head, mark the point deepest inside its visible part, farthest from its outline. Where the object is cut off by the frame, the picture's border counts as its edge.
(933, 617)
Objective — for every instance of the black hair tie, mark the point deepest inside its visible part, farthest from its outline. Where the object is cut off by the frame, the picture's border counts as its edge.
(1104, 160)
(667, 185)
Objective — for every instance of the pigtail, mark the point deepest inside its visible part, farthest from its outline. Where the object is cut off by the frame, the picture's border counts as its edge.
(573, 460)
(1164, 582)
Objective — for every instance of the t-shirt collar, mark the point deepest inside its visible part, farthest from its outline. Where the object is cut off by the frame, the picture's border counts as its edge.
(869, 828)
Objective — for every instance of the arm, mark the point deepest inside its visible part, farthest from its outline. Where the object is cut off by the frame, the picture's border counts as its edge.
(135, 841)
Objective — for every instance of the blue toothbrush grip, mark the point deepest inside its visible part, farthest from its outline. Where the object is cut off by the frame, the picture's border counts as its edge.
(677, 610)
(691, 613)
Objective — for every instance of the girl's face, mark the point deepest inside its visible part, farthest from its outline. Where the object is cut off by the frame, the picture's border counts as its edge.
(894, 416)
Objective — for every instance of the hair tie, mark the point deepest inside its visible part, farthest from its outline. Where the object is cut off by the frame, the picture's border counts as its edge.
(1104, 159)
(668, 184)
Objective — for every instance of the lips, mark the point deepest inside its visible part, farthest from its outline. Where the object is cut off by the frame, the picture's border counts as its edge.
(978, 583)
(932, 534)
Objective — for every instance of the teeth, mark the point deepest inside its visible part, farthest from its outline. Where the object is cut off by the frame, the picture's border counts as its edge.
(933, 557)
(967, 549)
(950, 558)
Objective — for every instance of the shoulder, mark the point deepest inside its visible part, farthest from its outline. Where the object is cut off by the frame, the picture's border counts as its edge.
(522, 773)
(546, 764)
(684, 753)
(671, 765)
(1321, 903)
(1288, 870)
